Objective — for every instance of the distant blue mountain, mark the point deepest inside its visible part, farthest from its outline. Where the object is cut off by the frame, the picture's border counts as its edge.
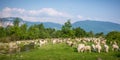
(46, 24)
(87, 25)
(97, 26)
(9, 21)
(52, 25)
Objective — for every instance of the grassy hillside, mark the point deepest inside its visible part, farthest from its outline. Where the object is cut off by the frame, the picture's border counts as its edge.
(60, 52)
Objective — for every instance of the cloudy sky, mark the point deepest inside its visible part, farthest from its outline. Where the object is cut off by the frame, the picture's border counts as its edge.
(59, 11)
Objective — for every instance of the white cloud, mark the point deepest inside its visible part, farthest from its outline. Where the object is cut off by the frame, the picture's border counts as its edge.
(80, 17)
(48, 15)
(42, 15)
(5, 12)
(85, 18)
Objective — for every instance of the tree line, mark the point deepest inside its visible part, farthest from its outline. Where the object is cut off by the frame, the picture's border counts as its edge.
(36, 31)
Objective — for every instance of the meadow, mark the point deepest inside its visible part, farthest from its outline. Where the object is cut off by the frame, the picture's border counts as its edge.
(59, 52)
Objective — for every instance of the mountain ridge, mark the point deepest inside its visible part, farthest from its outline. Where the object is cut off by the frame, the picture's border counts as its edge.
(87, 25)
(97, 26)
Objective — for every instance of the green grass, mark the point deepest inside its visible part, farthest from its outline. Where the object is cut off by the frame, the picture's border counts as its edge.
(60, 52)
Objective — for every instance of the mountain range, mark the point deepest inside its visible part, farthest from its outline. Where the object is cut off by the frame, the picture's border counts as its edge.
(97, 26)
(87, 25)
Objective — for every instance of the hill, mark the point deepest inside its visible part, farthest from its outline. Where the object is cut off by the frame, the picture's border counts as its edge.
(9, 21)
(97, 26)
(46, 24)
(87, 25)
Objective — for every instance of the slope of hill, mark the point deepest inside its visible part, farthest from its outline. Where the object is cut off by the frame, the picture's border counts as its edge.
(9, 21)
(46, 24)
(52, 25)
(97, 26)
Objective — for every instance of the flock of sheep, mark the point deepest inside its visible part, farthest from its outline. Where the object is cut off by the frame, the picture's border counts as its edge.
(81, 44)
(94, 44)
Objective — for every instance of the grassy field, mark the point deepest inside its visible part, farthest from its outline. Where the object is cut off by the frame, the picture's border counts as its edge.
(60, 52)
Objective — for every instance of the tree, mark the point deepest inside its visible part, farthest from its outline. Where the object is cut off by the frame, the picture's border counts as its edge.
(43, 33)
(67, 26)
(90, 34)
(41, 26)
(113, 36)
(23, 32)
(16, 22)
(2, 32)
(79, 32)
(57, 34)
(51, 32)
(67, 30)
(101, 34)
(33, 32)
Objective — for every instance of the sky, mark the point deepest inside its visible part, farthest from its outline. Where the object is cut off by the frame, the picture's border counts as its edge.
(59, 11)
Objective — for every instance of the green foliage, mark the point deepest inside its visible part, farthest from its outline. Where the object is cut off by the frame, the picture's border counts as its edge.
(90, 34)
(79, 32)
(67, 30)
(101, 34)
(23, 32)
(113, 36)
(117, 54)
(67, 26)
(57, 34)
(16, 22)
(2, 32)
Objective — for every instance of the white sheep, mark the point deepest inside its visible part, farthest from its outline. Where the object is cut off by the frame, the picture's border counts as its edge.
(87, 48)
(57, 41)
(94, 48)
(103, 42)
(42, 42)
(13, 47)
(115, 47)
(70, 43)
(81, 47)
(54, 41)
(106, 48)
(98, 47)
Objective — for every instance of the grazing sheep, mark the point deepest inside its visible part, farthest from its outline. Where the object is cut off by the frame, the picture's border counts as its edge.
(84, 42)
(77, 39)
(106, 48)
(81, 47)
(42, 42)
(57, 41)
(70, 43)
(98, 47)
(87, 48)
(13, 47)
(94, 48)
(3, 48)
(103, 42)
(54, 41)
(36, 42)
(115, 47)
